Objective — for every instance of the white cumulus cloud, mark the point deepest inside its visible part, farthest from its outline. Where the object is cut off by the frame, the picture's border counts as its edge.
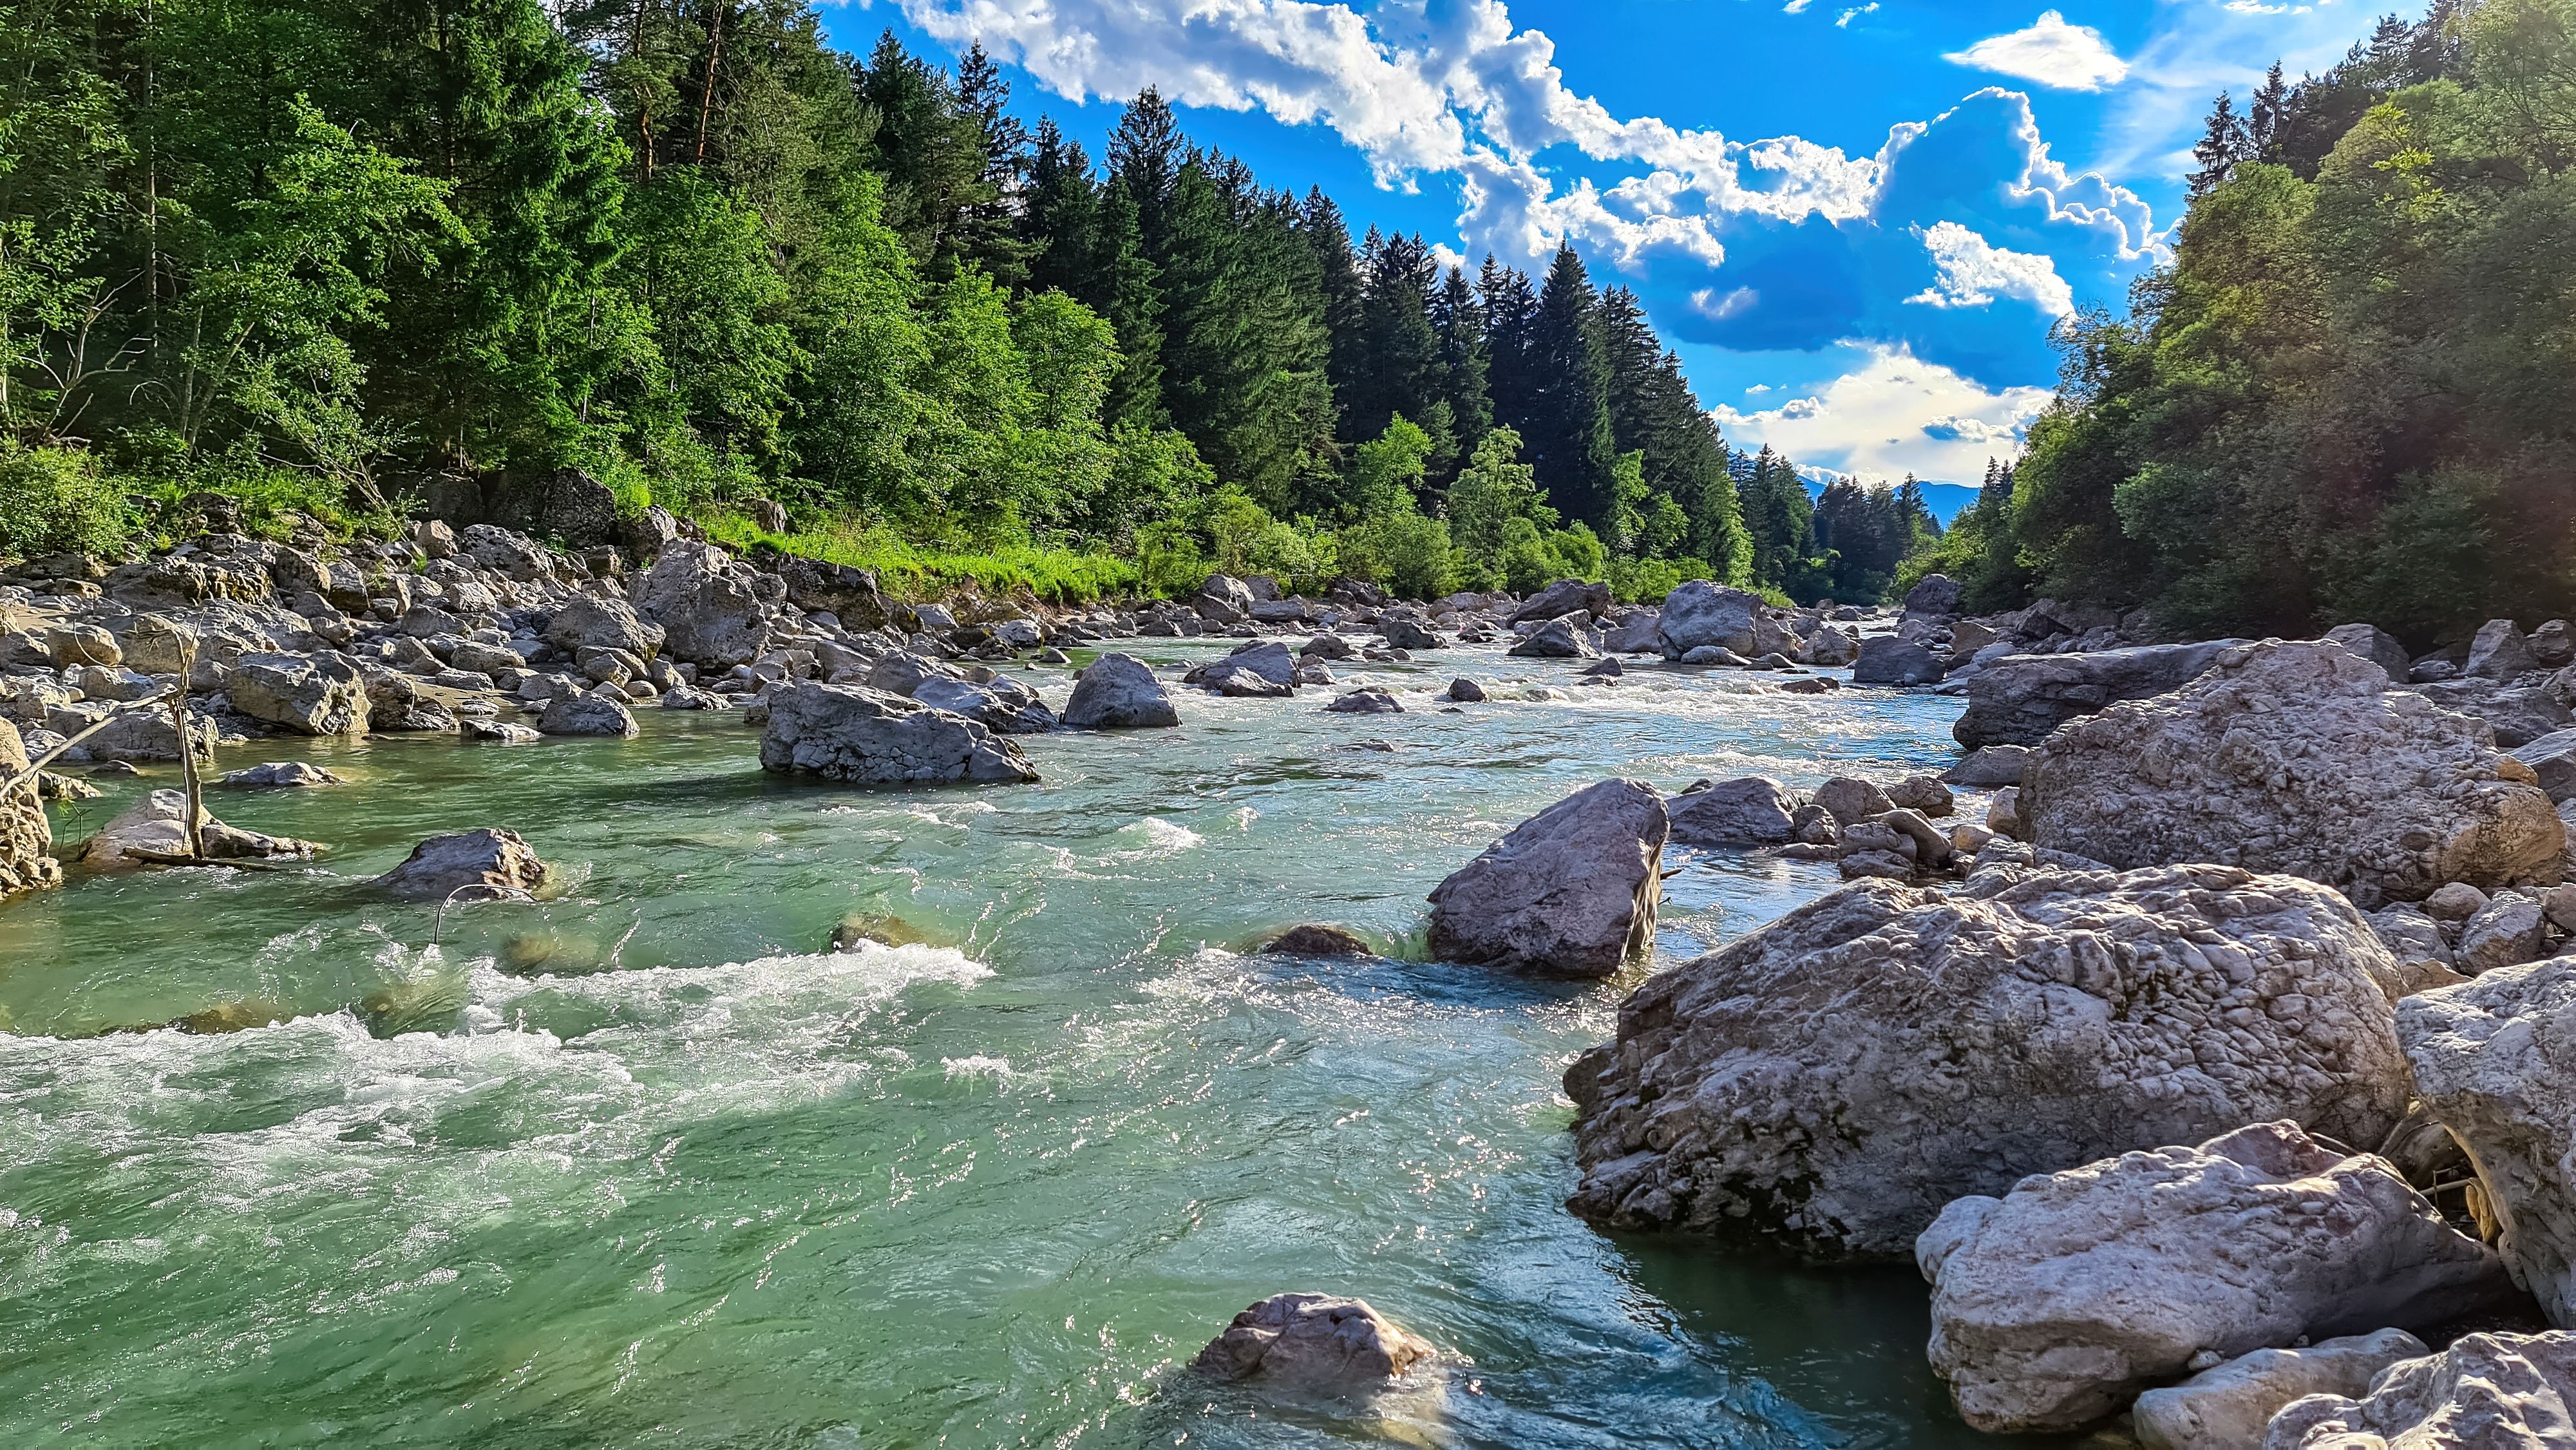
(1973, 272)
(1892, 415)
(2049, 53)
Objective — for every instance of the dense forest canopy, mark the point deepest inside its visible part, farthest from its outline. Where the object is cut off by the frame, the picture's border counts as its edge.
(2352, 395)
(318, 254)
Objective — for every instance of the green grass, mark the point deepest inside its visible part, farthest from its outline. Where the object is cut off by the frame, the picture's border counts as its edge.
(916, 572)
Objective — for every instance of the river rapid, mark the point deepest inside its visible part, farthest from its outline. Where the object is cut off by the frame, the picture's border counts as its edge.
(644, 1166)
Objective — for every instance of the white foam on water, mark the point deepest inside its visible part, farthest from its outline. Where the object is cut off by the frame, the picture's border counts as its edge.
(977, 1065)
(1154, 836)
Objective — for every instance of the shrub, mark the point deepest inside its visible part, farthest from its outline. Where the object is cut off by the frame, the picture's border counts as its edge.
(57, 500)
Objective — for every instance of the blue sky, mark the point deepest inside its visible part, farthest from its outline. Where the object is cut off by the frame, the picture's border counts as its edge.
(1856, 221)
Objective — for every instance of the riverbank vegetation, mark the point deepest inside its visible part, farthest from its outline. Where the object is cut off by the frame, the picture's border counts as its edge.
(319, 257)
(2352, 395)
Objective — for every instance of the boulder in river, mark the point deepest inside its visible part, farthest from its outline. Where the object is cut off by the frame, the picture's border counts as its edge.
(1698, 614)
(2056, 1304)
(2484, 1392)
(1887, 660)
(1118, 692)
(1571, 891)
(587, 713)
(2295, 757)
(2228, 1406)
(1558, 639)
(1752, 811)
(305, 696)
(1564, 597)
(1254, 670)
(2491, 1061)
(280, 773)
(869, 737)
(1314, 1342)
(1001, 704)
(2018, 699)
(1464, 691)
(155, 826)
(1365, 702)
(1406, 634)
(1830, 1081)
(1989, 766)
(485, 864)
(1317, 941)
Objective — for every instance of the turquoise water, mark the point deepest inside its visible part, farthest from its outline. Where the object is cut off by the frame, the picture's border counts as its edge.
(641, 1167)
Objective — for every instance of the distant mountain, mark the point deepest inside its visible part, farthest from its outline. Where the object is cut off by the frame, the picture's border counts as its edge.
(1947, 500)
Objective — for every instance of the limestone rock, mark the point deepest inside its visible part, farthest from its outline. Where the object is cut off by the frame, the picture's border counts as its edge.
(1558, 639)
(2227, 1408)
(512, 555)
(2518, 714)
(1001, 704)
(2295, 758)
(1261, 669)
(2054, 1305)
(1404, 634)
(1887, 660)
(1312, 1342)
(1365, 702)
(2019, 699)
(156, 824)
(1752, 811)
(1935, 594)
(587, 713)
(281, 773)
(1465, 691)
(26, 836)
(1571, 891)
(1699, 614)
(709, 607)
(588, 621)
(1989, 766)
(869, 737)
(2485, 1392)
(306, 696)
(1830, 649)
(2499, 652)
(2375, 645)
(1564, 597)
(1118, 692)
(1831, 1080)
(1849, 799)
(2491, 1062)
(486, 864)
(82, 644)
(2552, 759)
(1922, 793)
(2506, 932)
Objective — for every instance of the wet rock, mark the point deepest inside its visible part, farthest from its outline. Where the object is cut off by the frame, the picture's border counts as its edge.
(2375, 645)
(881, 928)
(2019, 699)
(2227, 1408)
(487, 864)
(1365, 702)
(1003, 705)
(2490, 1062)
(2294, 757)
(1328, 647)
(1752, 811)
(1465, 691)
(1887, 660)
(2485, 1392)
(869, 737)
(2499, 652)
(494, 732)
(1571, 891)
(587, 714)
(1852, 799)
(1118, 692)
(1318, 941)
(281, 773)
(1700, 615)
(156, 826)
(1709, 654)
(1811, 1084)
(2056, 1304)
(294, 693)
(1989, 766)
(1313, 1342)
(1558, 639)
(1564, 597)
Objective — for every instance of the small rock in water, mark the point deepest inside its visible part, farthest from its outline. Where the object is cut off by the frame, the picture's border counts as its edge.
(110, 769)
(238, 1016)
(1312, 1342)
(1053, 656)
(1466, 691)
(880, 928)
(487, 864)
(1365, 702)
(279, 773)
(494, 732)
(1317, 941)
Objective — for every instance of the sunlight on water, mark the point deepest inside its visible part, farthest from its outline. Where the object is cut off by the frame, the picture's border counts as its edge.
(638, 1166)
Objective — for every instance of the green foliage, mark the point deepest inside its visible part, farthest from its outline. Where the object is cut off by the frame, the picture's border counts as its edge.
(56, 500)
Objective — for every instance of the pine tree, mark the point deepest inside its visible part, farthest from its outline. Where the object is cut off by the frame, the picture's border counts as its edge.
(1061, 217)
(1511, 316)
(1458, 321)
(987, 224)
(2265, 120)
(1146, 152)
(1329, 237)
(2222, 144)
(1397, 367)
(1569, 425)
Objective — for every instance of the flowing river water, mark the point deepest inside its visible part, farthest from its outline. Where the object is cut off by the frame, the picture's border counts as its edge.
(644, 1166)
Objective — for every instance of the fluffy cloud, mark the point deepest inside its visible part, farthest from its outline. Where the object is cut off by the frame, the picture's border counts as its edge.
(2050, 53)
(1893, 414)
(1973, 272)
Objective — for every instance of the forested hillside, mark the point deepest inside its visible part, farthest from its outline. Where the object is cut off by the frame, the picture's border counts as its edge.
(2352, 396)
(321, 256)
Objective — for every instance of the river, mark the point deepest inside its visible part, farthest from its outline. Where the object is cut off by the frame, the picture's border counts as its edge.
(642, 1166)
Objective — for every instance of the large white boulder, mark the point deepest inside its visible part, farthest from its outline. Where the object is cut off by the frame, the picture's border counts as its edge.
(870, 737)
(1571, 891)
(2056, 1304)
(155, 826)
(2295, 757)
(306, 696)
(1829, 1082)
(2485, 1392)
(2495, 1061)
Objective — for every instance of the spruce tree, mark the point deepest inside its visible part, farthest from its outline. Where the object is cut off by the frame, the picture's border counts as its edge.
(2223, 143)
(1569, 434)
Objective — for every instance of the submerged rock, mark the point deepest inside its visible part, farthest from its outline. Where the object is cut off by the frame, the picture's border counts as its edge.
(870, 737)
(1571, 891)
(2295, 757)
(280, 773)
(2054, 1305)
(1317, 941)
(1119, 692)
(1312, 1342)
(486, 864)
(1830, 1081)
(1465, 691)
(1365, 702)
(2485, 1392)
